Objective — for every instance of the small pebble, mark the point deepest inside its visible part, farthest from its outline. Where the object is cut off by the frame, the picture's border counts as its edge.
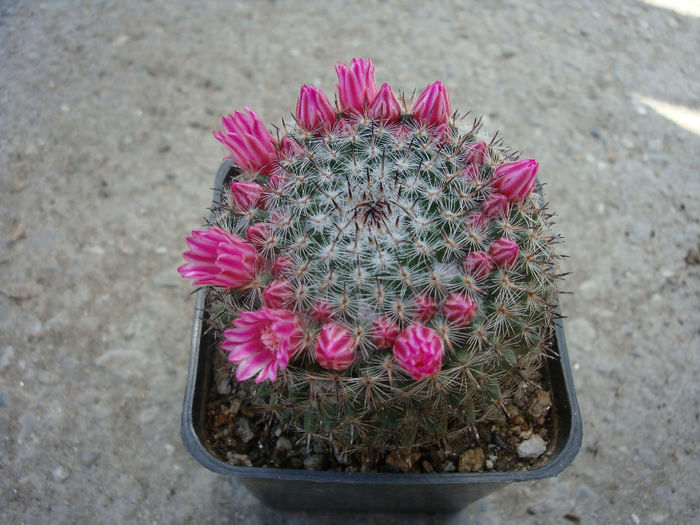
(243, 430)
(283, 444)
(60, 473)
(532, 448)
(315, 462)
(471, 460)
(239, 460)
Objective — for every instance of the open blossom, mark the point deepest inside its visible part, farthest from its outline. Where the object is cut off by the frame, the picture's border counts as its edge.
(459, 309)
(262, 342)
(478, 264)
(418, 350)
(249, 141)
(495, 206)
(219, 258)
(335, 347)
(516, 179)
(314, 110)
(424, 307)
(278, 294)
(247, 196)
(504, 252)
(433, 105)
(385, 108)
(356, 85)
(384, 332)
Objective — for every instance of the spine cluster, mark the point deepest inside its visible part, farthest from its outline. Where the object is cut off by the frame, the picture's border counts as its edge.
(383, 273)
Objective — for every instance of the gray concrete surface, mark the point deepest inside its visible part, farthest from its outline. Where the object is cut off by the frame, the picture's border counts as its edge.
(106, 160)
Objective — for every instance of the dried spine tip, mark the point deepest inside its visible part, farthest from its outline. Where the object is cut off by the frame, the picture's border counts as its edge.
(410, 254)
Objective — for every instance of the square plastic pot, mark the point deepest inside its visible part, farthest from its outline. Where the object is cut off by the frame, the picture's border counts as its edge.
(367, 492)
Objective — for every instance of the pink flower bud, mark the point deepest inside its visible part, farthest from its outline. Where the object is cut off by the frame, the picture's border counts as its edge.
(470, 173)
(289, 148)
(418, 350)
(343, 128)
(442, 133)
(459, 309)
(335, 348)
(263, 342)
(478, 264)
(283, 266)
(496, 206)
(246, 195)
(219, 258)
(504, 252)
(424, 308)
(314, 111)
(321, 312)
(516, 180)
(249, 141)
(278, 294)
(356, 85)
(385, 108)
(477, 153)
(433, 105)
(477, 222)
(384, 332)
(259, 233)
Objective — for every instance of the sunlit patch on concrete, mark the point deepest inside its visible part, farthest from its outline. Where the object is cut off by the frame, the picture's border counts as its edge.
(682, 7)
(680, 115)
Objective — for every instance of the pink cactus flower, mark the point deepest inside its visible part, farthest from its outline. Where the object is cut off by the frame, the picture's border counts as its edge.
(278, 181)
(247, 196)
(342, 128)
(459, 309)
(219, 258)
(314, 110)
(278, 294)
(321, 312)
(356, 85)
(385, 108)
(504, 252)
(384, 332)
(335, 348)
(424, 307)
(289, 149)
(283, 266)
(433, 105)
(477, 153)
(263, 342)
(496, 206)
(477, 222)
(516, 180)
(259, 234)
(418, 350)
(470, 173)
(442, 133)
(478, 265)
(249, 141)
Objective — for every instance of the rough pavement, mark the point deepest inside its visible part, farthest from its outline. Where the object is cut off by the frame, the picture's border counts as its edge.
(106, 164)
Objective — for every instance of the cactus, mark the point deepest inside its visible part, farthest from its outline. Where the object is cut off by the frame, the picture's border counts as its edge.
(381, 275)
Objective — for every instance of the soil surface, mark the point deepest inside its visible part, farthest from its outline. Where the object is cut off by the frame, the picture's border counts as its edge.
(107, 163)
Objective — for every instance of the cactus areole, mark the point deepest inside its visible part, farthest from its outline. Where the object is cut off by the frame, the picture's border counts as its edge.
(380, 273)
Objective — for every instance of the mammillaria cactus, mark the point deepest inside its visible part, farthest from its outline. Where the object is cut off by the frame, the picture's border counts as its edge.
(381, 274)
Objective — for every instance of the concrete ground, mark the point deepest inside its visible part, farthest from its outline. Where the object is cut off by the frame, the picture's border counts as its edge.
(106, 164)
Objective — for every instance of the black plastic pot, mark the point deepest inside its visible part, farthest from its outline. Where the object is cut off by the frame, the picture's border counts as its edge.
(368, 492)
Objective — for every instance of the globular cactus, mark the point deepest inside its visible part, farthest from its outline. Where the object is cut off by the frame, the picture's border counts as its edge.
(382, 273)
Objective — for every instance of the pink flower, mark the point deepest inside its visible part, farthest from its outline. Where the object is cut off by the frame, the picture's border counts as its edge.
(289, 148)
(335, 348)
(470, 173)
(478, 264)
(516, 180)
(504, 252)
(433, 105)
(263, 342)
(218, 258)
(384, 332)
(250, 142)
(424, 307)
(314, 110)
(418, 350)
(385, 108)
(283, 266)
(356, 85)
(495, 206)
(477, 153)
(259, 233)
(442, 133)
(278, 294)
(459, 309)
(477, 222)
(247, 196)
(321, 312)
(343, 128)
